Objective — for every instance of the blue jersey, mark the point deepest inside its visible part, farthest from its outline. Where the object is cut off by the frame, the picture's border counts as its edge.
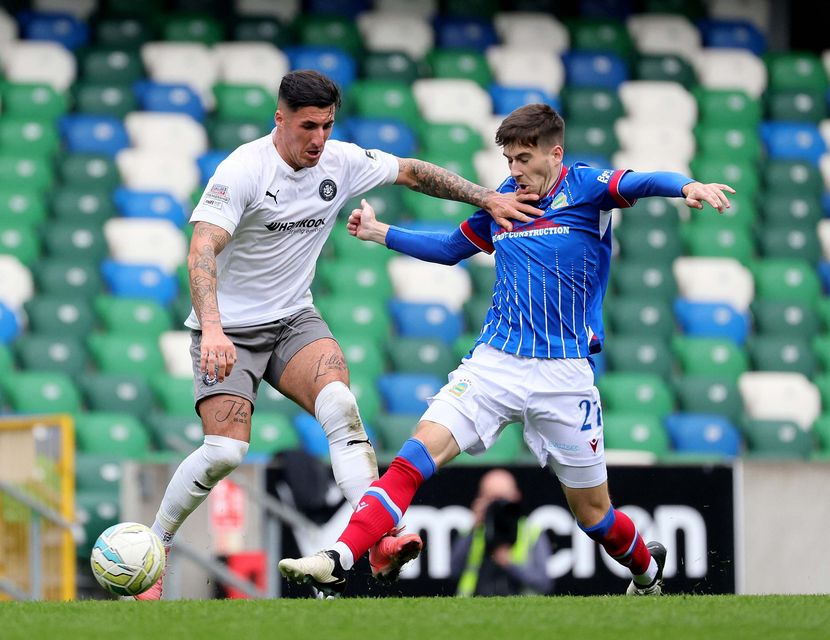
(552, 273)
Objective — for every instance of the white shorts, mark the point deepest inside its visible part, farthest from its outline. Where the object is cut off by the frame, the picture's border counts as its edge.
(555, 400)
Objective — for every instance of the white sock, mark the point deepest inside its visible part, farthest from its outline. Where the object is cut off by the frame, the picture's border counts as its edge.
(193, 480)
(346, 557)
(353, 459)
(645, 579)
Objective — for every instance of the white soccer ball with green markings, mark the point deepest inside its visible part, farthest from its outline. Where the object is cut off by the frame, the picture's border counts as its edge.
(127, 559)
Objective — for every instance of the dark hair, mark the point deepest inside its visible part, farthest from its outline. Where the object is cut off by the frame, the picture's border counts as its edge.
(531, 124)
(308, 88)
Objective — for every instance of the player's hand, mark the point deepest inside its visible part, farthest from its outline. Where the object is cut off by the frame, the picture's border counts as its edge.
(504, 207)
(218, 355)
(713, 193)
(364, 225)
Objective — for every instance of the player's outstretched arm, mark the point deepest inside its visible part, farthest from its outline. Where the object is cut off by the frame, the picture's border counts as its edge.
(364, 225)
(696, 193)
(437, 181)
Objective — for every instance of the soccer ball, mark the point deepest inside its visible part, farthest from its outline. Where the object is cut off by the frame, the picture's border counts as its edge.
(127, 559)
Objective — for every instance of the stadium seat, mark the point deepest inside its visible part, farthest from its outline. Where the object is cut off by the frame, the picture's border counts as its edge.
(238, 102)
(588, 69)
(448, 100)
(702, 434)
(141, 317)
(821, 429)
(507, 99)
(785, 280)
(777, 439)
(115, 434)
(727, 107)
(719, 238)
(642, 242)
(426, 320)
(22, 204)
(331, 61)
(793, 141)
(425, 356)
(389, 65)
(635, 432)
(167, 132)
(61, 276)
(795, 241)
(416, 281)
(736, 69)
(795, 70)
(27, 171)
(51, 352)
(732, 34)
(94, 511)
(43, 62)
(641, 316)
(311, 435)
(149, 204)
(780, 396)
(193, 27)
(82, 204)
(227, 135)
(793, 177)
(796, 106)
(517, 28)
(669, 143)
(823, 229)
(590, 141)
(395, 429)
(706, 394)
(663, 33)
(118, 64)
(115, 100)
(270, 400)
(125, 353)
(460, 63)
(390, 30)
(19, 240)
(437, 212)
(247, 63)
(638, 354)
(33, 100)
(118, 392)
(635, 392)
(710, 357)
(27, 135)
(521, 67)
(174, 395)
(98, 473)
(40, 392)
(385, 134)
(344, 276)
(349, 248)
(714, 280)
(347, 316)
(127, 31)
(645, 280)
(665, 67)
(740, 143)
(191, 63)
(9, 327)
(76, 239)
(153, 170)
(94, 171)
(168, 97)
(363, 355)
(142, 241)
(463, 32)
(272, 433)
(458, 138)
(285, 11)
(86, 133)
(781, 318)
(65, 315)
(659, 102)
(182, 434)
(591, 105)
(711, 320)
(782, 353)
(507, 449)
(330, 30)
(407, 392)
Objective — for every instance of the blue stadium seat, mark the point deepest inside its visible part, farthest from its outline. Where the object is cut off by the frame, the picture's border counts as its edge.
(62, 28)
(733, 34)
(506, 99)
(386, 134)
(792, 141)
(824, 274)
(169, 97)
(139, 281)
(586, 69)
(457, 32)
(618, 9)
(703, 434)
(711, 320)
(333, 62)
(407, 393)
(424, 320)
(207, 163)
(313, 437)
(149, 204)
(8, 324)
(86, 133)
(347, 8)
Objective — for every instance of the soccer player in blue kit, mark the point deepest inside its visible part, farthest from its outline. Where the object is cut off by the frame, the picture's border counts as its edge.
(531, 362)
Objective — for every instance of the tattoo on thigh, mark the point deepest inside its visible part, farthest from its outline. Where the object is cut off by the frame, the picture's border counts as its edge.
(328, 363)
(234, 411)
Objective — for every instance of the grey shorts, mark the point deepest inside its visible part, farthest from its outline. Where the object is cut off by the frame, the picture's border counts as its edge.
(262, 353)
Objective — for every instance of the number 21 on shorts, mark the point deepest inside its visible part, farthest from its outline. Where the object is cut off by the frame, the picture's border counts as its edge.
(588, 407)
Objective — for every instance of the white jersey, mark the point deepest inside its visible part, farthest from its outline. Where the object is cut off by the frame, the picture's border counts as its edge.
(279, 220)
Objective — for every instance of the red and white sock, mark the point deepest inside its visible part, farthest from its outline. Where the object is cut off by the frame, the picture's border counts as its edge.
(619, 537)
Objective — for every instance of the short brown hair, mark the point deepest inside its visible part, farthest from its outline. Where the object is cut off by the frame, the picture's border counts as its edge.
(531, 124)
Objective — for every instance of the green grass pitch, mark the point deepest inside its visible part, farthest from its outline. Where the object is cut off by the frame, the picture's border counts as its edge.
(525, 618)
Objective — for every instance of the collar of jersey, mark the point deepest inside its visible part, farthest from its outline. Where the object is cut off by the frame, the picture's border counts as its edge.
(544, 203)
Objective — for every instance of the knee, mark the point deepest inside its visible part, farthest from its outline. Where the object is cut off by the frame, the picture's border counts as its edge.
(336, 403)
(223, 455)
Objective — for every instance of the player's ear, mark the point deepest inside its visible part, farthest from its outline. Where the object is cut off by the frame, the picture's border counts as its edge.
(557, 152)
(278, 118)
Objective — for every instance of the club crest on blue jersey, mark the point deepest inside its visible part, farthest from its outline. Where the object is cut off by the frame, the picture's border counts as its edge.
(559, 201)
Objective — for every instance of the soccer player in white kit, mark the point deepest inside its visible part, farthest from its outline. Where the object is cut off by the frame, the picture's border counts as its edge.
(259, 228)
(531, 362)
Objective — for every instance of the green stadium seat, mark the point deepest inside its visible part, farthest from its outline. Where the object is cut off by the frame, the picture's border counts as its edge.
(644, 243)
(794, 178)
(822, 382)
(592, 140)
(664, 68)
(98, 473)
(707, 394)
(426, 208)
(507, 449)
(75, 240)
(663, 213)
(6, 361)
(95, 511)
(636, 392)
(115, 434)
(25, 170)
(460, 63)
(394, 429)
(347, 316)
(368, 399)
(636, 316)
(138, 317)
(464, 344)
(727, 108)
(272, 401)
(41, 392)
(743, 212)
(644, 280)
(389, 65)
(33, 100)
(738, 174)
(782, 353)
(737, 143)
(350, 249)
(82, 204)
(92, 171)
(20, 240)
(364, 356)
(51, 352)
(227, 135)
(65, 276)
(262, 29)
(821, 347)
(25, 135)
(782, 208)
(174, 395)
(776, 439)
(60, 315)
(105, 98)
(385, 99)
(330, 31)
(413, 355)
(272, 433)
(483, 276)
(475, 310)
(126, 353)
(796, 106)
(821, 429)
(634, 432)
(710, 357)
(342, 277)
(823, 310)
(717, 238)
(124, 32)
(795, 70)
(792, 241)
(591, 106)
(457, 139)
(110, 65)
(182, 434)
(387, 201)
(23, 205)
(467, 8)
(117, 392)
(600, 34)
(786, 280)
(243, 102)
(638, 354)
(773, 317)
(193, 27)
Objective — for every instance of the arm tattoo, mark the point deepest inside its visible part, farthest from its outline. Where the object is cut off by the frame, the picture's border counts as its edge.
(441, 183)
(208, 240)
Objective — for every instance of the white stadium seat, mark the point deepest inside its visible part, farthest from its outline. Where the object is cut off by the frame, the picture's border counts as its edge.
(394, 31)
(649, 160)
(447, 100)
(146, 241)
(150, 170)
(824, 167)
(543, 31)
(162, 132)
(523, 66)
(284, 10)
(824, 237)
(81, 9)
(491, 167)
(659, 102)
(175, 349)
(16, 283)
(40, 61)
(780, 396)
(487, 129)
(256, 63)
(664, 33)
(668, 142)
(423, 8)
(190, 63)
(714, 280)
(731, 69)
(416, 281)
(8, 27)
(759, 12)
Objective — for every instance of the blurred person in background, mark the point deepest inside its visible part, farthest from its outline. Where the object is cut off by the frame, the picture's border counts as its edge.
(259, 228)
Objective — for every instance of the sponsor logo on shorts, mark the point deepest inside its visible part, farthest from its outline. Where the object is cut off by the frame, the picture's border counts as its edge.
(328, 189)
(565, 446)
(593, 443)
(459, 388)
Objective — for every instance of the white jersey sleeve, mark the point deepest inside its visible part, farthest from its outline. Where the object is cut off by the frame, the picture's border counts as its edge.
(227, 194)
(368, 168)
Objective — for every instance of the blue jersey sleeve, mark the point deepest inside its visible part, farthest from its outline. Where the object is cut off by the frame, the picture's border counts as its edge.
(633, 185)
(478, 229)
(431, 246)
